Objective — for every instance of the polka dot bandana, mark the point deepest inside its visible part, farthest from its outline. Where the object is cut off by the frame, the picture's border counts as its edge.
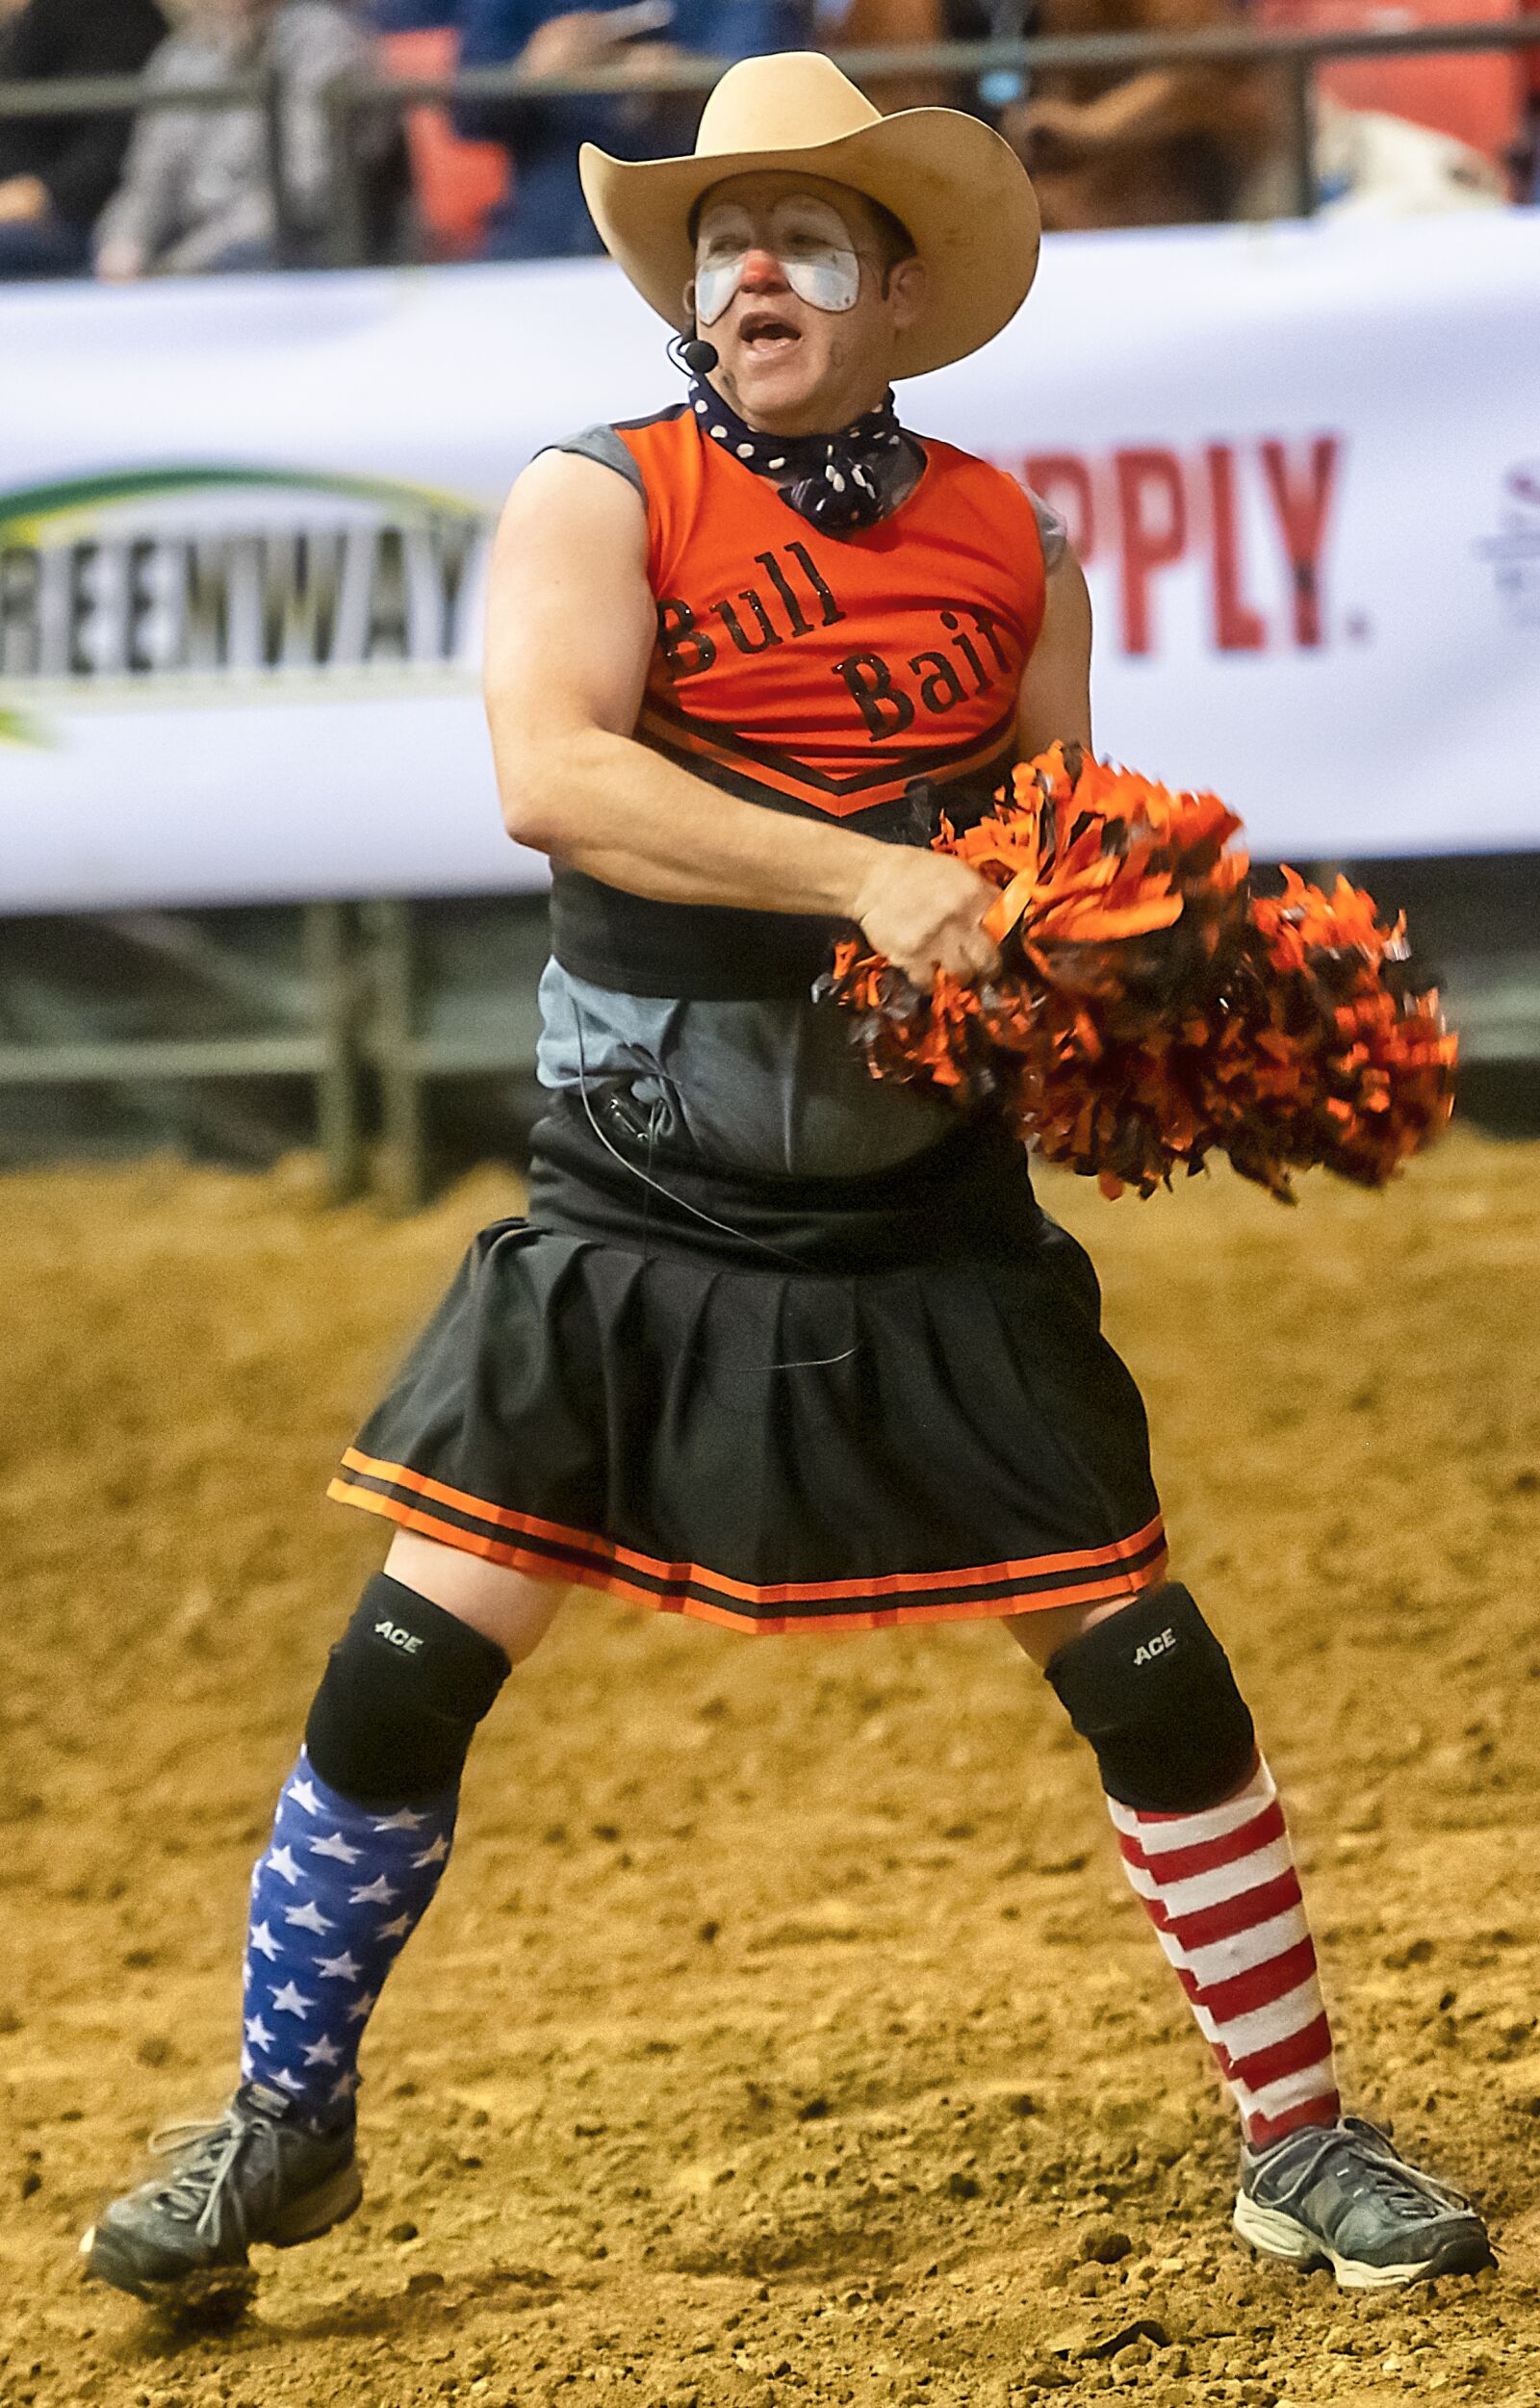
(836, 482)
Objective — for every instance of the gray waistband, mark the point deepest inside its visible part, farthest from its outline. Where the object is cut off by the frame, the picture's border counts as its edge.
(774, 1087)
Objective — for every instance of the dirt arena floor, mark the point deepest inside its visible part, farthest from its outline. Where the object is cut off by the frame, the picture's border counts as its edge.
(783, 2035)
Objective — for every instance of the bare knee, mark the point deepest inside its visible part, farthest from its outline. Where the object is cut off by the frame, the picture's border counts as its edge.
(1147, 1684)
(504, 1605)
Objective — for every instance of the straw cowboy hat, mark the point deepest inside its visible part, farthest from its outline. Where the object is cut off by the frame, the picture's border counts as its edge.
(959, 189)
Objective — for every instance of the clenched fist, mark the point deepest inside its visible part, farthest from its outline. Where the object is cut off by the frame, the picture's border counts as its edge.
(925, 912)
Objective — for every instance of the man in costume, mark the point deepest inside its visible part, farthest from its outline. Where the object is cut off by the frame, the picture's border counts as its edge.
(778, 1346)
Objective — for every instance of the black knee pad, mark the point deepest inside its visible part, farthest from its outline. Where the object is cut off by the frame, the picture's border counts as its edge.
(1152, 1690)
(401, 1697)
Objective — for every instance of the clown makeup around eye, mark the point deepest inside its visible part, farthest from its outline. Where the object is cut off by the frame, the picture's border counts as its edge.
(807, 236)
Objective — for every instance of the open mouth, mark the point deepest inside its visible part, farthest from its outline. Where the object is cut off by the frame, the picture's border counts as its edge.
(765, 335)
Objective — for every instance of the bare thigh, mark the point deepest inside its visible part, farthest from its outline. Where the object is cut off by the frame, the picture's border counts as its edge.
(1042, 1634)
(503, 1606)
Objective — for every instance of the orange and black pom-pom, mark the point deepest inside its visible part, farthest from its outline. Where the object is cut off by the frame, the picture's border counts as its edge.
(1150, 1009)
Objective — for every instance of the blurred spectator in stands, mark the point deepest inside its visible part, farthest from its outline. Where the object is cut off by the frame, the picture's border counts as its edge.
(1370, 164)
(545, 216)
(197, 193)
(1167, 145)
(1476, 98)
(1201, 145)
(912, 24)
(454, 186)
(56, 174)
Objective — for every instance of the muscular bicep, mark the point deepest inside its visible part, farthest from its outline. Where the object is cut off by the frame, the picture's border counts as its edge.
(1055, 699)
(570, 620)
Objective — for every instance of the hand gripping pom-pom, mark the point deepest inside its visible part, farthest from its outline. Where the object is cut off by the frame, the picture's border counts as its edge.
(1151, 1010)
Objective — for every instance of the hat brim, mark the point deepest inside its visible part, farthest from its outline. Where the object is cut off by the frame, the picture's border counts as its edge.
(957, 185)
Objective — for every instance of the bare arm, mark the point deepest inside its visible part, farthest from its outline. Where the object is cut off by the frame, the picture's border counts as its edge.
(1154, 103)
(570, 631)
(1160, 105)
(1055, 703)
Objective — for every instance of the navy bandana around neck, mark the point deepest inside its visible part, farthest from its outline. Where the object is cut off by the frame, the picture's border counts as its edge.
(835, 482)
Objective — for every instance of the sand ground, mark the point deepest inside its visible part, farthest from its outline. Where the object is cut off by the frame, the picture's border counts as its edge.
(782, 2034)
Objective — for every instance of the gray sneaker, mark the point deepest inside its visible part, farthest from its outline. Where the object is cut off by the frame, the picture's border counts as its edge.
(258, 2172)
(1340, 2196)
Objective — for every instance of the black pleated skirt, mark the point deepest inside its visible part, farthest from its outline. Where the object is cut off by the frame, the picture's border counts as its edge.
(774, 1404)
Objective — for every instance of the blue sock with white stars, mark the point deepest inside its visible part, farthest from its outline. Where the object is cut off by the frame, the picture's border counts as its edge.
(335, 1896)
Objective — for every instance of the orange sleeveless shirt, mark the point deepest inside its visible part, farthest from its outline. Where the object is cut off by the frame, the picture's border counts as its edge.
(826, 672)
(822, 675)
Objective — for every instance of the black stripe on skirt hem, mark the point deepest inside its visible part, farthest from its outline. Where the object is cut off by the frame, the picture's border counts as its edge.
(600, 1558)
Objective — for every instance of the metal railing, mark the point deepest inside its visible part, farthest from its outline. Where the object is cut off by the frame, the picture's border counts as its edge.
(353, 98)
(355, 101)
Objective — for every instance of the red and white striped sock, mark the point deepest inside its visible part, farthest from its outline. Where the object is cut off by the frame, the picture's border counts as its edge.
(1221, 1890)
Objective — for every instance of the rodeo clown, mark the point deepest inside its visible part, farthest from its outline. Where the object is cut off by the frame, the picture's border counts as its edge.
(778, 1346)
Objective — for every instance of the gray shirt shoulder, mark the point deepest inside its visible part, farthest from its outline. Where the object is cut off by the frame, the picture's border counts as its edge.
(1052, 530)
(603, 444)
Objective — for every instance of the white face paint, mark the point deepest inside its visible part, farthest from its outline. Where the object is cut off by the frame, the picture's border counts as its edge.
(807, 239)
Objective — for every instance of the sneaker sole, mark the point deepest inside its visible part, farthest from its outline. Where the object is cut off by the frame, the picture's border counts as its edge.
(1465, 2251)
(110, 2258)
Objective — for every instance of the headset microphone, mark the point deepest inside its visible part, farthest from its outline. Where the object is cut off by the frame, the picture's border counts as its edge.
(699, 357)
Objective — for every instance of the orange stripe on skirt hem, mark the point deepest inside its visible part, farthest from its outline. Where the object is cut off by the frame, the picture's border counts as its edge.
(784, 1592)
(612, 1582)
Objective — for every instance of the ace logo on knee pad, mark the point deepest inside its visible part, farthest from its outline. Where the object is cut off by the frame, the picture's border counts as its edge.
(406, 1640)
(1146, 1652)
(1157, 1699)
(403, 1690)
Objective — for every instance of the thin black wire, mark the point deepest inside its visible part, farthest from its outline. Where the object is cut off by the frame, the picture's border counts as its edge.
(809, 1363)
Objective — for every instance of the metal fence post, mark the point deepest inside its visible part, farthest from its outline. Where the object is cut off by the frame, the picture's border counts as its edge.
(285, 244)
(393, 1049)
(1302, 131)
(329, 974)
(346, 225)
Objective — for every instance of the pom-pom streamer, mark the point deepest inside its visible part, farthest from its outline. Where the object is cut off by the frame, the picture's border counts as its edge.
(1151, 1010)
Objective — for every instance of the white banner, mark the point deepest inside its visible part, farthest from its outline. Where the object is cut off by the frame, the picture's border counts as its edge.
(243, 532)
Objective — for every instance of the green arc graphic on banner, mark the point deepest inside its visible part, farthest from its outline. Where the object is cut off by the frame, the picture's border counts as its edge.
(16, 728)
(28, 509)
(105, 606)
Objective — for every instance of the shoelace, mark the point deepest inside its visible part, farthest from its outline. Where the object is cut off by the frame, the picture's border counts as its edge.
(211, 2147)
(1403, 2188)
